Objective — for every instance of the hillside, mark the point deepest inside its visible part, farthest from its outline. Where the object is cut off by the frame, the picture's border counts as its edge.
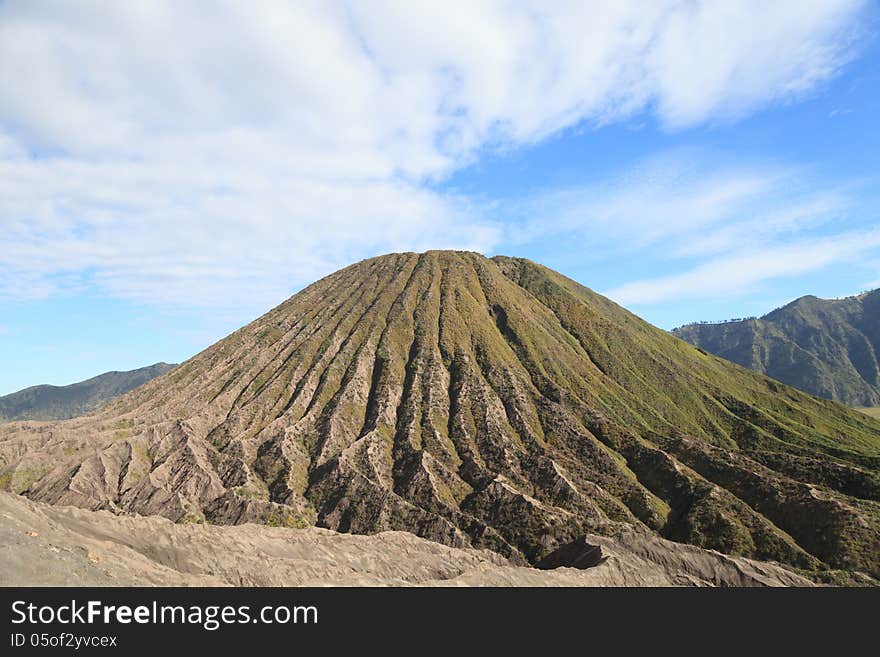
(485, 403)
(828, 348)
(45, 402)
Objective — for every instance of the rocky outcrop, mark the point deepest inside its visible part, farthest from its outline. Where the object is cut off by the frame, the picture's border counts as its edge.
(681, 564)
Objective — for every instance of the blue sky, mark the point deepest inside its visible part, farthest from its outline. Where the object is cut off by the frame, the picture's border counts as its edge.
(167, 176)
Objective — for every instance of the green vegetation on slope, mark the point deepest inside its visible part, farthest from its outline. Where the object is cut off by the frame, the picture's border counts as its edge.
(828, 348)
(47, 402)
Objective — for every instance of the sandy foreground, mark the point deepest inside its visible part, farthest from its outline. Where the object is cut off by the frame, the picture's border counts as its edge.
(42, 545)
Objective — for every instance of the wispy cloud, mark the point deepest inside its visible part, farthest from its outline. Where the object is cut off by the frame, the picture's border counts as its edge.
(171, 154)
(873, 266)
(736, 273)
(689, 201)
(179, 237)
(720, 226)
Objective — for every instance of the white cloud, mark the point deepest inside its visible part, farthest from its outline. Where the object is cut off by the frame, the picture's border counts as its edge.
(179, 236)
(170, 153)
(684, 203)
(722, 226)
(737, 272)
(873, 283)
(700, 63)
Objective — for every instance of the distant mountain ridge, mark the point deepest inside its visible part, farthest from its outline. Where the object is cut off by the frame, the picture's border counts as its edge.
(826, 347)
(47, 402)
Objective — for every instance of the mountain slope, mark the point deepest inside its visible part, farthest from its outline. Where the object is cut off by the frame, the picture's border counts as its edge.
(47, 402)
(477, 402)
(828, 348)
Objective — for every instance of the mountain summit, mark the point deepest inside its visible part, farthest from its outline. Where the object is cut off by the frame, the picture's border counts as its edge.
(476, 402)
(827, 347)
